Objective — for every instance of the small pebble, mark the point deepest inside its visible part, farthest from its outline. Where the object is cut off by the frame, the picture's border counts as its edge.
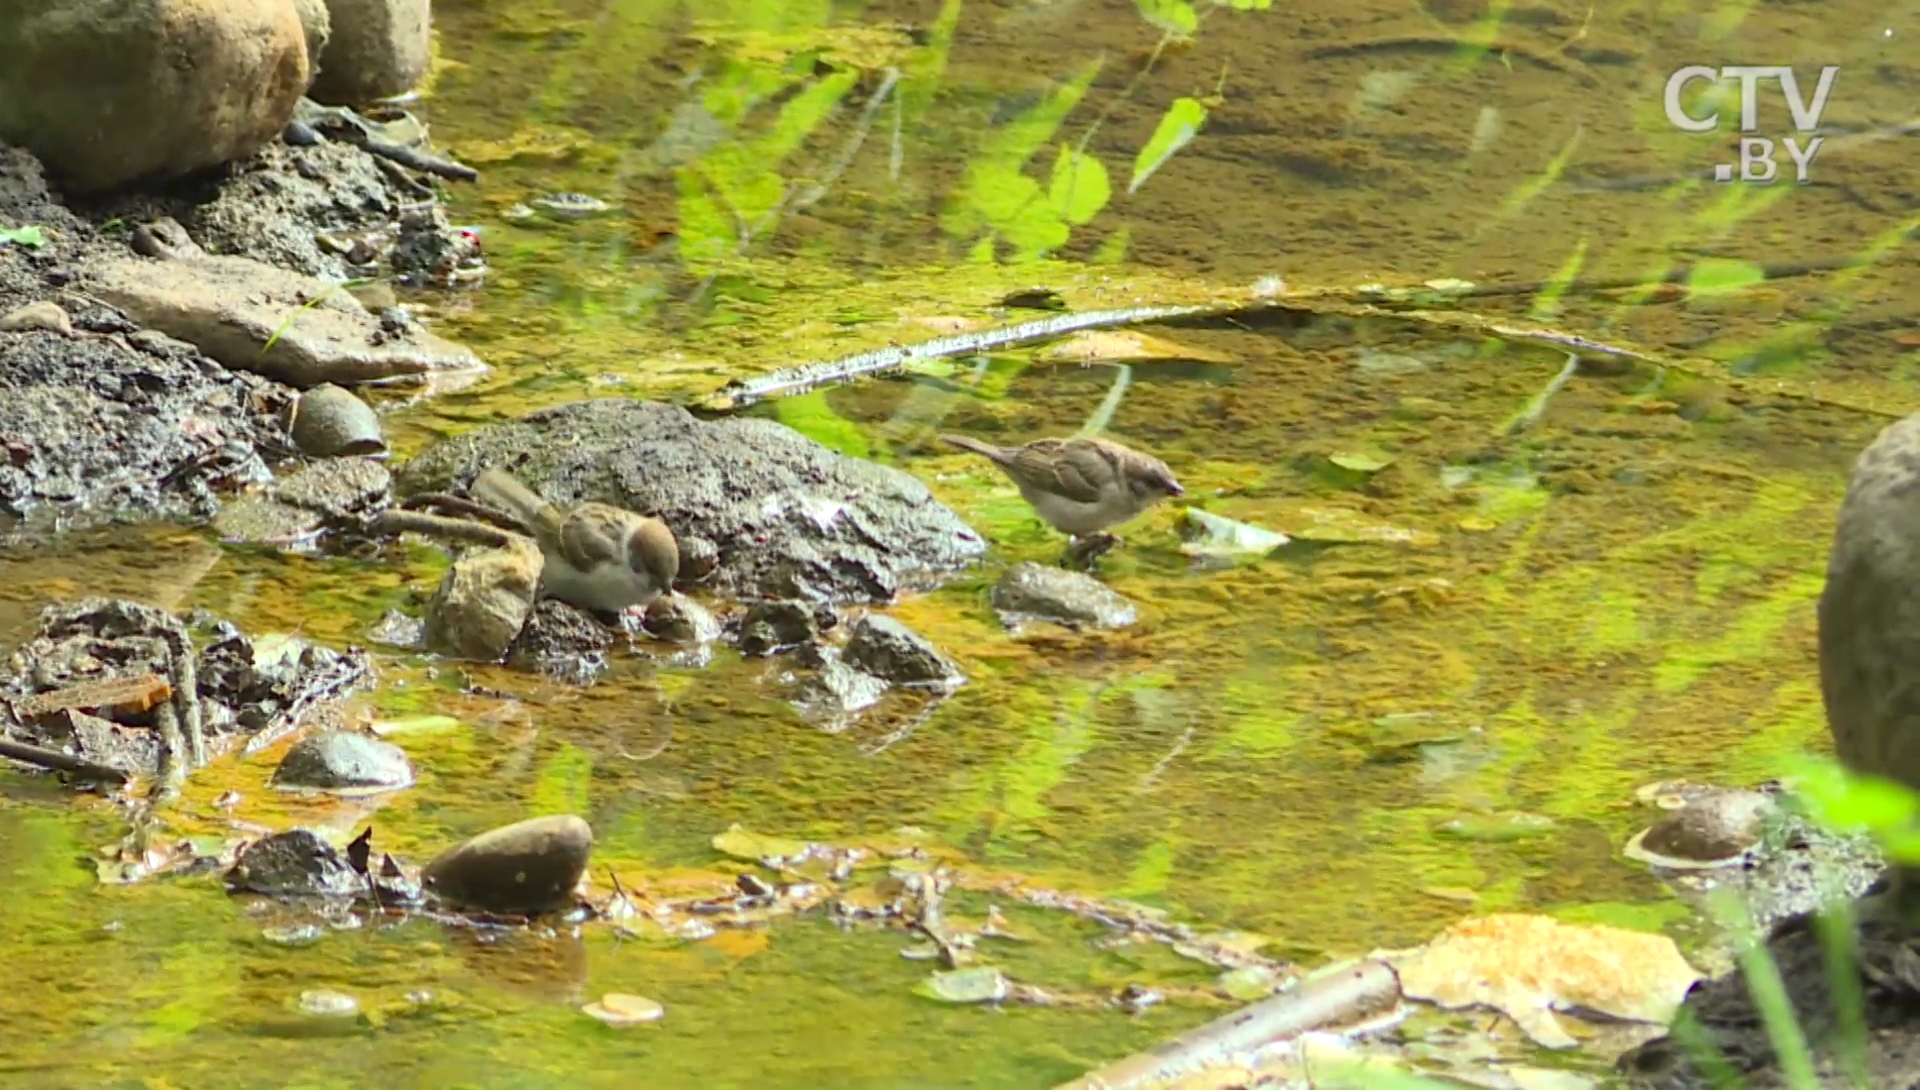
(328, 1004)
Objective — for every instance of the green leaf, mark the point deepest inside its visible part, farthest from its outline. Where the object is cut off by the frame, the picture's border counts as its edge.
(1172, 16)
(1359, 461)
(1080, 188)
(30, 236)
(1176, 129)
(1719, 276)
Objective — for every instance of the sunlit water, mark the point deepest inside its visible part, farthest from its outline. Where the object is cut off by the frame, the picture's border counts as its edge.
(1616, 593)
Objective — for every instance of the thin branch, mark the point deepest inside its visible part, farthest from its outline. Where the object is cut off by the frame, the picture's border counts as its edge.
(54, 759)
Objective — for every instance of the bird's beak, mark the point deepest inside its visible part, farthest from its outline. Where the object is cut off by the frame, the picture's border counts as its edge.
(1174, 489)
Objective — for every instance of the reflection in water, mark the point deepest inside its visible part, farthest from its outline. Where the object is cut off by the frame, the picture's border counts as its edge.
(1474, 620)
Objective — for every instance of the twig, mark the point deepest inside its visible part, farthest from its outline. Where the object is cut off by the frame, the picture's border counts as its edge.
(396, 522)
(419, 160)
(1538, 404)
(1103, 413)
(186, 690)
(740, 393)
(1317, 1001)
(54, 759)
(461, 505)
(175, 761)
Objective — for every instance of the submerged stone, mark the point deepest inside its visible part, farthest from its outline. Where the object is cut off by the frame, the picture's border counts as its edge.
(527, 867)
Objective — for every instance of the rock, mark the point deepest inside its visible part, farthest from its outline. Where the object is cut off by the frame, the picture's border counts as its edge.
(1036, 592)
(344, 762)
(322, 210)
(379, 48)
(107, 92)
(771, 627)
(1715, 829)
(832, 692)
(316, 27)
(679, 619)
(792, 519)
(483, 601)
(294, 863)
(329, 421)
(1869, 612)
(891, 651)
(44, 315)
(234, 308)
(102, 428)
(561, 641)
(531, 866)
(291, 511)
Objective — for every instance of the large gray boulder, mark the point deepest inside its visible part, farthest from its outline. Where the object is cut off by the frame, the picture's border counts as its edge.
(108, 92)
(1870, 612)
(779, 515)
(376, 48)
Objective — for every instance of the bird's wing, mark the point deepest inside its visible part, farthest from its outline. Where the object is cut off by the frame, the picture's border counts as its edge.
(1073, 470)
(586, 541)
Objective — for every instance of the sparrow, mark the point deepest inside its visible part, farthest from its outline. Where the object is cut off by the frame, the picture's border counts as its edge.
(597, 556)
(1080, 486)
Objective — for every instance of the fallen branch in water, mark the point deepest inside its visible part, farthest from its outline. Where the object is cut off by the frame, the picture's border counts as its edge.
(1342, 995)
(740, 393)
(1372, 301)
(60, 762)
(395, 522)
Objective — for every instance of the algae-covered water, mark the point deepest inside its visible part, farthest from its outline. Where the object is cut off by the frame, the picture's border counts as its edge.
(1513, 599)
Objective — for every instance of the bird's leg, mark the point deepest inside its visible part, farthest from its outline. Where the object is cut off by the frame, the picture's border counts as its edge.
(1085, 552)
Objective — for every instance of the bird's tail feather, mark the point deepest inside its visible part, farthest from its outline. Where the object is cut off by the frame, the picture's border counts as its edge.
(498, 488)
(964, 442)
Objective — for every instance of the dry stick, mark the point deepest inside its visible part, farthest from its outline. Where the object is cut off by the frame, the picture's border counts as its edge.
(461, 505)
(54, 759)
(186, 690)
(1336, 996)
(175, 762)
(391, 521)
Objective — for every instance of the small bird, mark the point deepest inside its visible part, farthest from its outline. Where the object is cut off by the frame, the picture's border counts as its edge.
(1080, 486)
(598, 557)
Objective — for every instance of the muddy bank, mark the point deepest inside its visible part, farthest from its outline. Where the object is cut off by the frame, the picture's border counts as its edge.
(150, 341)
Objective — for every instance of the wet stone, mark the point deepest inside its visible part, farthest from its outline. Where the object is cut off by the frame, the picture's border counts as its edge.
(793, 519)
(1716, 828)
(528, 867)
(772, 627)
(887, 649)
(294, 863)
(1037, 592)
(562, 642)
(344, 762)
(329, 421)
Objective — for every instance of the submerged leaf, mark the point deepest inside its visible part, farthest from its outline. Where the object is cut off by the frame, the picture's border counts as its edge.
(980, 984)
(1176, 130)
(1360, 462)
(1338, 525)
(1718, 276)
(620, 1009)
(1126, 346)
(1208, 534)
(743, 844)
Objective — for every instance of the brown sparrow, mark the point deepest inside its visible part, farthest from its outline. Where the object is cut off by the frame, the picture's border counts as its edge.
(1080, 486)
(598, 557)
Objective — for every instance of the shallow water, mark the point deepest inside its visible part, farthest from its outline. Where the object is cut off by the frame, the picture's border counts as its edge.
(1619, 592)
